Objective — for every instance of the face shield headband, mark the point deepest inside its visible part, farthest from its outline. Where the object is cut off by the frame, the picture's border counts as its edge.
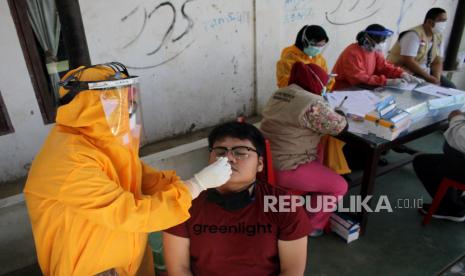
(385, 33)
(75, 86)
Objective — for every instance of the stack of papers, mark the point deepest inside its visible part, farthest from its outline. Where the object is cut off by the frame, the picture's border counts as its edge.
(439, 91)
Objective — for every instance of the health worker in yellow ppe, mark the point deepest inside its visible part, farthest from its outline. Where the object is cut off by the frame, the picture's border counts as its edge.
(309, 44)
(91, 200)
(308, 47)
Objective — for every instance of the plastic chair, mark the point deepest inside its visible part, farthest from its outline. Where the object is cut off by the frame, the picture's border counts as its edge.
(446, 183)
(267, 174)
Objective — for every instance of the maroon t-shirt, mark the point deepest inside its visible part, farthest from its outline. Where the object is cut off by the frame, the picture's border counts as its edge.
(240, 242)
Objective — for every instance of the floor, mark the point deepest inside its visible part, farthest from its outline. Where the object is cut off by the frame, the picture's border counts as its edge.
(395, 243)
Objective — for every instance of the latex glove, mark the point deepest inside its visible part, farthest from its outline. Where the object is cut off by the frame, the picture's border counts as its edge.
(419, 80)
(214, 175)
(411, 79)
(396, 82)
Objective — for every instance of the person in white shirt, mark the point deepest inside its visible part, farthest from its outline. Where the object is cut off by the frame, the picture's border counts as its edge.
(420, 50)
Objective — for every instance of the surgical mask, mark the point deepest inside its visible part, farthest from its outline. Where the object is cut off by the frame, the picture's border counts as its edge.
(380, 47)
(439, 27)
(312, 51)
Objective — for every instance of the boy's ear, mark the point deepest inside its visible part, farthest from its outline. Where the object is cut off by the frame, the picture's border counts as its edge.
(260, 165)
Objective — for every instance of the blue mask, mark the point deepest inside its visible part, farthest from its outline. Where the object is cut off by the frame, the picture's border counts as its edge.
(312, 51)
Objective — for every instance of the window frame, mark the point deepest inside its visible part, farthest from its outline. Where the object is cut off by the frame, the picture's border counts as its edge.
(5, 123)
(74, 40)
(34, 63)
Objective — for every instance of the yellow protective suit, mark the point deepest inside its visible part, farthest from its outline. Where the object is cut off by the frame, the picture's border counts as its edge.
(333, 155)
(91, 200)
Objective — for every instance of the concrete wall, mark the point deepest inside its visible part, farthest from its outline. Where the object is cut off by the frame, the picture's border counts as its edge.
(201, 62)
(195, 58)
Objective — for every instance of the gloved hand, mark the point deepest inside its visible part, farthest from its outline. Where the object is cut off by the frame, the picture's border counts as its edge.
(411, 79)
(396, 82)
(214, 175)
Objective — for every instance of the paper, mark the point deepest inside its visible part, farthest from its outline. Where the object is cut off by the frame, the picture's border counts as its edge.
(456, 92)
(358, 102)
(438, 91)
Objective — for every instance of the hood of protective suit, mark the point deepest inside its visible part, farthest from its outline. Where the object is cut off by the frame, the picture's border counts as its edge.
(86, 113)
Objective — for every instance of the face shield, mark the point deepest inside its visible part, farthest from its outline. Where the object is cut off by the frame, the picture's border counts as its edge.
(121, 104)
(379, 41)
(118, 93)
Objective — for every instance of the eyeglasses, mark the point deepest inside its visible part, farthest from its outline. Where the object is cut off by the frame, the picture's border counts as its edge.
(317, 44)
(239, 152)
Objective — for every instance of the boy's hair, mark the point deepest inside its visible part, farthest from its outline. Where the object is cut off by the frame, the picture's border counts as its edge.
(242, 131)
(433, 13)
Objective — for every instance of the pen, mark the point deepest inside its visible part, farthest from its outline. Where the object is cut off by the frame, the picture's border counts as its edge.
(342, 102)
(442, 93)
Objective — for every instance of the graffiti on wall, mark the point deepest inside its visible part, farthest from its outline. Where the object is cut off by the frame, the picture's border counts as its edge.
(348, 12)
(297, 10)
(169, 39)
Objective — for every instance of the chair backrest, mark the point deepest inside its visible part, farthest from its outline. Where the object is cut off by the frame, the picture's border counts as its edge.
(267, 174)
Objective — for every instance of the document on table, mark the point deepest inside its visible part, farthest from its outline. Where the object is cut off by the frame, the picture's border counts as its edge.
(358, 102)
(438, 91)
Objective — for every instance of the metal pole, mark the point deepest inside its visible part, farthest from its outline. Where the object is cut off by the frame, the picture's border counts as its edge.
(73, 33)
(456, 36)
